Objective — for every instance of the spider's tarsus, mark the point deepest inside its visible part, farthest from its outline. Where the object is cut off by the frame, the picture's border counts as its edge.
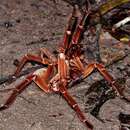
(16, 62)
(3, 107)
(89, 125)
(126, 99)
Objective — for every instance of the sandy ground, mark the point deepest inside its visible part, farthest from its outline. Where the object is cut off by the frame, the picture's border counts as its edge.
(26, 26)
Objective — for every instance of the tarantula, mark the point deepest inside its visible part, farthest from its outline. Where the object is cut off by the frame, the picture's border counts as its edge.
(64, 68)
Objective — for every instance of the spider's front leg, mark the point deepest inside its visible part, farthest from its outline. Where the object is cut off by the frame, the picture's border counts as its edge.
(63, 69)
(41, 77)
(18, 89)
(71, 27)
(51, 58)
(115, 86)
(33, 58)
(75, 107)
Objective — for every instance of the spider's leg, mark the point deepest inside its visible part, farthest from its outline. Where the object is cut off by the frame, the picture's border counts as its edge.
(75, 107)
(63, 72)
(63, 69)
(29, 58)
(43, 78)
(71, 27)
(106, 75)
(80, 28)
(77, 63)
(48, 54)
(18, 89)
(115, 86)
(88, 70)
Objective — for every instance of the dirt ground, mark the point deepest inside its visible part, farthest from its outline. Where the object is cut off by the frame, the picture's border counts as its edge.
(26, 26)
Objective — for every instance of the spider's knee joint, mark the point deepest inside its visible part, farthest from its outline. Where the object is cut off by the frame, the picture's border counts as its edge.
(3, 106)
(113, 82)
(26, 56)
(75, 105)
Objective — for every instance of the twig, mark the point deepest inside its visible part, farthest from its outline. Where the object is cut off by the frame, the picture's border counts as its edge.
(97, 53)
(29, 101)
(117, 60)
(6, 90)
(40, 41)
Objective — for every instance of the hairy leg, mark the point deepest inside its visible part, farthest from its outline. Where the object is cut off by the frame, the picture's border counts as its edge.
(29, 58)
(18, 89)
(75, 107)
(116, 87)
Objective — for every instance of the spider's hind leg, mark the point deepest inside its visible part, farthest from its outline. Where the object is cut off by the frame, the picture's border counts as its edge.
(102, 70)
